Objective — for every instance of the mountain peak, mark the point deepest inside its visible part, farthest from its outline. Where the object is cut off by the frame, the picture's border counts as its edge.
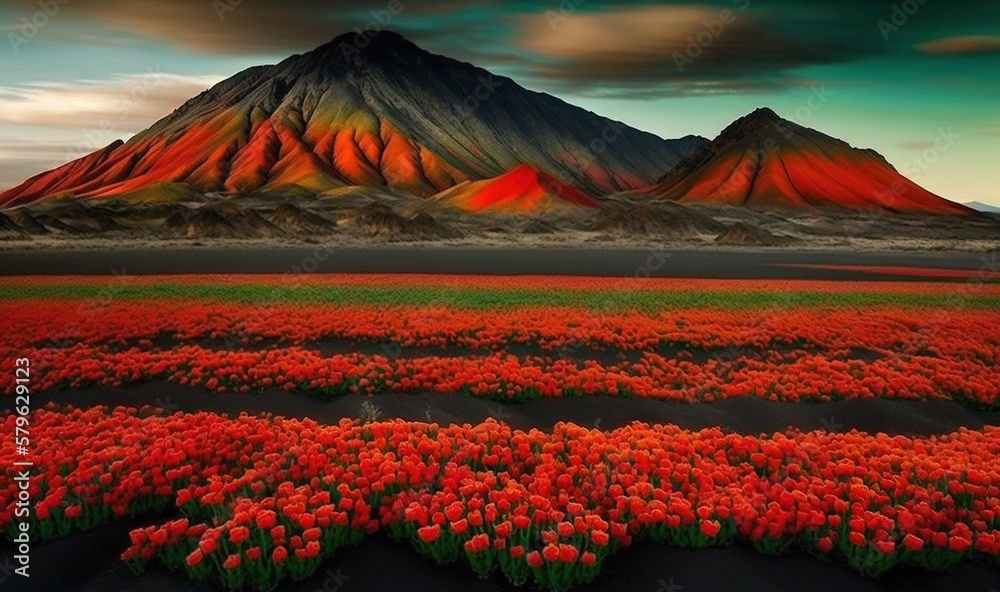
(764, 114)
(752, 124)
(347, 43)
(766, 162)
(352, 50)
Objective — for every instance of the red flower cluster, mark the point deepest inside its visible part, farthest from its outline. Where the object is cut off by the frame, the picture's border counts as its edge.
(268, 498)
(690, 355)
(539, 282)
(508, 377)
(836, 332)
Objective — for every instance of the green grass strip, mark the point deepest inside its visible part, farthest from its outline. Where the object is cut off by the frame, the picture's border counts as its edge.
(481, 298)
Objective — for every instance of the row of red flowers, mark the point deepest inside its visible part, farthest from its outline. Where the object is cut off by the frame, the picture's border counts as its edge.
(802, 377)
(883, 331)
(267, 499)
(637, 282)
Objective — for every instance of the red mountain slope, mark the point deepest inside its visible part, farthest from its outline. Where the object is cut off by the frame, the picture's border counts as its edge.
(765, 162)
(522, 190)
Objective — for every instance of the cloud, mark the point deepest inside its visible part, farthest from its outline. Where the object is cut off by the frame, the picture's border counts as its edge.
(251, 27)
(21, 159)
(79, 117)
(669, 49)
(969, 44)
(916, 144)
(126, 103)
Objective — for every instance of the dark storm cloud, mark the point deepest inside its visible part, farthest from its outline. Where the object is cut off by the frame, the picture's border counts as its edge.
(250, 26)
(597, 47)
(672, 49)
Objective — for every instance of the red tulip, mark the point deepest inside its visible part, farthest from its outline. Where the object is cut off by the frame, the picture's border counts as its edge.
(195, 558)
(232, 562)
(429, 534)
(710, 528)
(913, 543)
(279, 555)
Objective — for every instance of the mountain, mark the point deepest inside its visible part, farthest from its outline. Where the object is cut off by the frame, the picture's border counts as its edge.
(983, 207)
(765, 162)
(391, 115)
(522, 190)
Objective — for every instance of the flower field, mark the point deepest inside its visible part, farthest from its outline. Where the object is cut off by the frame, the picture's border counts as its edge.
(267, 499)
(788, 353)
(256, 502)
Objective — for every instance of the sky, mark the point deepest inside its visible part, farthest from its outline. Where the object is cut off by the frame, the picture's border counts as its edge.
(917, 80)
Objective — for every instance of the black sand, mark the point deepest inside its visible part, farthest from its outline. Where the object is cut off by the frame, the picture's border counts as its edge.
(704, 263)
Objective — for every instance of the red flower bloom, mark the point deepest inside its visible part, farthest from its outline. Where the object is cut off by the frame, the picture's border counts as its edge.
(266, 520)
(195, 557)
(279, 555)
(239, 534)
(232, 562)
(913, 543)
(568, 553)
(599, 537)
(307, 520)
(454, 511)
(278, 533)
(207, 545)
(710, 528)
(565, 529)
(429, 534)
(887, 547)
(477, 544)
(959, 544)
(825, 544)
